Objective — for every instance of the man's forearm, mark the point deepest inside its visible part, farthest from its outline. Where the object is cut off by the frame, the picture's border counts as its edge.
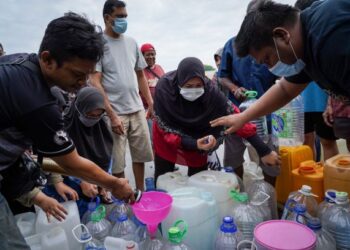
(144, 89)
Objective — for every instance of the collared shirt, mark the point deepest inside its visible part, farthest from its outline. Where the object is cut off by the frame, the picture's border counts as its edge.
(326, 33)
(244, 72)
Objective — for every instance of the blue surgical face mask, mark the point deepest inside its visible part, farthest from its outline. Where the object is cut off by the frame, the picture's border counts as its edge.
(191, 94)
(285, 70)
(120, 25)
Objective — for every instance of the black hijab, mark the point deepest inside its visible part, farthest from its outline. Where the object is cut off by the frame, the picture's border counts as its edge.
(94, 143)
(190, 118)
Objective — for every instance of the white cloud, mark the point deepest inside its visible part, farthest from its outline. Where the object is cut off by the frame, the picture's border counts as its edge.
(177, 28)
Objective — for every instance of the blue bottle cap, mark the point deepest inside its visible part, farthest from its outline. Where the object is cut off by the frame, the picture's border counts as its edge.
(122, 217)
(228, 169)
(228, 226)
(300, 208)
(314, 223)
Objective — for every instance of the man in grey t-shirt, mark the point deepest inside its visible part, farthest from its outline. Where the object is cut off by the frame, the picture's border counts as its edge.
(120, 76)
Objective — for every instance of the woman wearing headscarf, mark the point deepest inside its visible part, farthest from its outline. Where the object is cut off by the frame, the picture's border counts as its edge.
(185, 101)
(85, 125)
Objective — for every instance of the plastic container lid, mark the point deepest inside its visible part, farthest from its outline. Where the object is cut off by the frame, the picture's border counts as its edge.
(228, 226)
(306, 189)
(341, 197)
(284, 235)
(175, 234)
(98, 214)
(122, 217)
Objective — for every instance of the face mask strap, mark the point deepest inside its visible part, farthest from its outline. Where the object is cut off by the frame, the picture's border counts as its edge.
(293, 50)
(278, 54)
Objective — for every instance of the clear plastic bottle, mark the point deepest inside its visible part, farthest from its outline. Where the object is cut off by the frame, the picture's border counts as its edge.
(119, 208)
(299, 214)
(247, 216)
(176, 236)
(302, 196)
(336, 220)
(329, 201)
(260, 123)
(99, 227)
(228, 235)
(258, 186)
(83, 236)
(92, 205)
(141, 232)
(288, 123)
(325, 240)
(124, 228)
(149, 183)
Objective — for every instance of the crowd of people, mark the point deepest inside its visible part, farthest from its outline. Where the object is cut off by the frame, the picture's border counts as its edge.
(87, 95)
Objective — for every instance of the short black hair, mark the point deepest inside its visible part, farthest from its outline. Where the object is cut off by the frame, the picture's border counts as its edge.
(303, 4)
(259, 22)
(109, 6)
(70, 36)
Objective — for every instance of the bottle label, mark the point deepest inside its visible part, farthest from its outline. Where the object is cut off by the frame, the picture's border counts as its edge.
(282, 121)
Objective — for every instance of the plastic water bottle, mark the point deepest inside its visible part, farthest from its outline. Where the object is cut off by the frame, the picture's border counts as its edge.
(260, 123)
(92, 205)
(141, 232)
(124, 228)
(119, 208)
(229, 169)
(299, 214)
(302, 196)
(259, 186)
(288, 123)
(325, 240)
(149, 182)
(112, 243)
(228, 235)
(329, 201)
(175, 237)
(336, 220)
(99, 227)
(247, 216)
(83, 236)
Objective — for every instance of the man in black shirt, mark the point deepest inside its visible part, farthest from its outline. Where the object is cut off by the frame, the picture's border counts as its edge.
(68, 53)
(299, 47)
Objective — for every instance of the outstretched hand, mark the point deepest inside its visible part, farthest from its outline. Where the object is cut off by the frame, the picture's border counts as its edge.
(233, 122)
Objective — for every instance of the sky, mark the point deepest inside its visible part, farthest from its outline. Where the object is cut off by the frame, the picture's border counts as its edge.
(176, 28)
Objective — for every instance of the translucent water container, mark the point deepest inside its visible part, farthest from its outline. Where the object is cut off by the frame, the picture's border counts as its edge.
(251, 170)
(219, 184)
(124, 228)
(228, 236)
(298, 214)
(337, 173)
(329, 201)
(26, 223)
(200, 211)
(336, 220)
(325, 240)
(258, 186)
(302, 196)
(55, 239)
(246, 216)
(309, 173)
(34, 242)
(92, 205)
(260, 123)
(112, 243)
(72, 219)
(119, 208)
(176, 234)
(172, 181)
(98, 226)
(288, 123)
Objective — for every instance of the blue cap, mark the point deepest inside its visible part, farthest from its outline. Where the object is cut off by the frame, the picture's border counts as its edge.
(331, 194)
(122, 217)
(228, 226)
(300, 208)
(228, 169)
(94, 203)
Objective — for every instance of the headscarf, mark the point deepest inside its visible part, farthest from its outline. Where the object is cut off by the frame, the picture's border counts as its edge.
(190, 118)
(94, 143)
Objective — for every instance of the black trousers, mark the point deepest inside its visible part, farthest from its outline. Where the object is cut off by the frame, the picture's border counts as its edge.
(163, 166)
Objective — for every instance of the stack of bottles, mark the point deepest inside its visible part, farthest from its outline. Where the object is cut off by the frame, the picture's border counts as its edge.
(228, 236)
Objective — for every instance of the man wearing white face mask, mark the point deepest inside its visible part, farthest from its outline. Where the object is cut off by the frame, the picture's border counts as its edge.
(299, 47)
(119, 75)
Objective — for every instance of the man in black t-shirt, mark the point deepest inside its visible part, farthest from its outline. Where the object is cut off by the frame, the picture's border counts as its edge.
(299, 47)
(67, 55)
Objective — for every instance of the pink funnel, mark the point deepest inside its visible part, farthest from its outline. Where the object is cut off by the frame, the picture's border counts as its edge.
(153, 208)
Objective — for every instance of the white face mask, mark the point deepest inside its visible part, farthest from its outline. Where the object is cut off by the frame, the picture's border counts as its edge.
(191, 94)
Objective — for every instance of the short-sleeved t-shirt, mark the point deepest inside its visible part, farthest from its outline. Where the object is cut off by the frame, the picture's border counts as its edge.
(315, 99)
(152, 75)
(122, 57)
(326, 33)
(28, 110)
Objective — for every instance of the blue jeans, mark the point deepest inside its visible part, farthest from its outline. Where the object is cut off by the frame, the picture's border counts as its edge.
(10, 236)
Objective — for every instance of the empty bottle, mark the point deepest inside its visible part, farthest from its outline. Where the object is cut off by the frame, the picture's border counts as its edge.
(124, 228)
(299, 214)
(260, 123)
(119, 208)
(141, 232)
(325, 240)
(92, 205)
(228, 235)
(288, 123)
(150, 186)
(336, 220)
(302, 196)
(257, 187)
(247, 216)
(83, 236)
(329, 201)
(98, 226)
(175, 237)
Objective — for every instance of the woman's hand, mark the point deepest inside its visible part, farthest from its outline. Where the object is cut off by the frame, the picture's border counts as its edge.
(50, 206)
(89, 190)
(206, 143)
(63, 190)
(272, 159)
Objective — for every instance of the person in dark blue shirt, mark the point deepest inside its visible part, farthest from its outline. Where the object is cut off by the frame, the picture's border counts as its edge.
(299, 47)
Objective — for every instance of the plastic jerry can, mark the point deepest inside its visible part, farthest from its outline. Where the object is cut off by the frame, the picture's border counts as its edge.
(291, 157)
(309, 173)
(337, 173)
(172, 181)
(26, 223)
